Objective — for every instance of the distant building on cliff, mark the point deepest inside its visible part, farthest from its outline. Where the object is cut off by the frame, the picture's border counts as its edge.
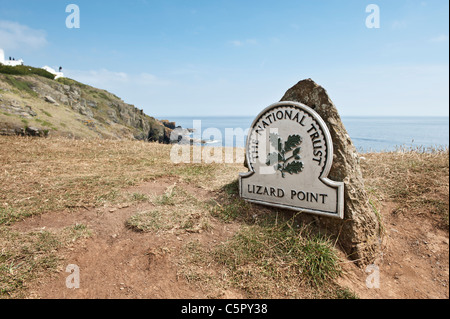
(52, 71)
(14, 62)
(10, 62)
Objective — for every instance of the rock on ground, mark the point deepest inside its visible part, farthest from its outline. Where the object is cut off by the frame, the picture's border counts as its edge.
(358, 233)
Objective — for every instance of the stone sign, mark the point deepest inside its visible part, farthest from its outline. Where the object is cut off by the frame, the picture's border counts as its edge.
(289, 155)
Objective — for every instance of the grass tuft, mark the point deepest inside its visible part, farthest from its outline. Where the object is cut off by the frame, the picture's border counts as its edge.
(23, 256)
(176, 210)
(275, 255)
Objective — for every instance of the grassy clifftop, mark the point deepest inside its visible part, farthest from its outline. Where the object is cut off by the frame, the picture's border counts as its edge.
(30, 98)
(157, 229)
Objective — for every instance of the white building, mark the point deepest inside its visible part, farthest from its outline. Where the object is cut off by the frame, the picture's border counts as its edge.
(20, 62)
(52, 71)
(9, 62)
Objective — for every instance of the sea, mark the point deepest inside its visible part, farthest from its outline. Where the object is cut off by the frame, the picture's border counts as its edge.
(369, 134)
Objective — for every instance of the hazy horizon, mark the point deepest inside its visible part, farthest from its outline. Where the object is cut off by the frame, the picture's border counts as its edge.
(163, 117)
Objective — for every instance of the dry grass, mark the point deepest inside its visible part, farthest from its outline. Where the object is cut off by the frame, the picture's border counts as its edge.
(39, 175)
(272, 255)
(44, 175)
(279, 260)
(259, 263)
(58, 120)
(25, 256)
(176, 210)
(417, 181)
(269, 255)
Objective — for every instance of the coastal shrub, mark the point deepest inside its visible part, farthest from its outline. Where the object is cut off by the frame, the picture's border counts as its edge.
(25, 70)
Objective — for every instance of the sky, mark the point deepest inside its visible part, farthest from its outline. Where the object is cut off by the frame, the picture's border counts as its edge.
(234, 58)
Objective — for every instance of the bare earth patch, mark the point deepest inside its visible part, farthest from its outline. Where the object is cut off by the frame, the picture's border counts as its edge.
(117, 262)
(413, 263)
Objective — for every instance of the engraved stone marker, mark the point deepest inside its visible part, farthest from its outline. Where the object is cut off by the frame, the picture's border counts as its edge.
(289, 154)
(359, 233)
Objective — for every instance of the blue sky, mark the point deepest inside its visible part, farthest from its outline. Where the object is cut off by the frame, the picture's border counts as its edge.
(213, 57)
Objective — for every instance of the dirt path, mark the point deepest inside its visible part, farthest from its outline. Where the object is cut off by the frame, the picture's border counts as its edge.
(413, 264)
(117, 262)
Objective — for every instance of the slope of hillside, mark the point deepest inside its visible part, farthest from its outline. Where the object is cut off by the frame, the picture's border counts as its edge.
(32, 104)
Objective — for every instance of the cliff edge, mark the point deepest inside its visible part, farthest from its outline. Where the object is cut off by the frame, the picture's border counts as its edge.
(33, 103)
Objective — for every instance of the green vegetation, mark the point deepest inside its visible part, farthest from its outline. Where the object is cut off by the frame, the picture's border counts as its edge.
(344, 293)
(139, 197)
(25, 70)
(232, 209)
(232, 188)
(76, 232)
(271, 254)
(67, 81)
(46, 113)
(44, 123)
(20, 85)
(272, 257)
(229, 206)
(9, 215)
(272, 247)
(104, 96)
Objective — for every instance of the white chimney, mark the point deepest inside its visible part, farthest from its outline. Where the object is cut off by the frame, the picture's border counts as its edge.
(2, 56)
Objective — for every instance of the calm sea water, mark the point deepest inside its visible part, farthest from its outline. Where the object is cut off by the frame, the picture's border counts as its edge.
(369, 134)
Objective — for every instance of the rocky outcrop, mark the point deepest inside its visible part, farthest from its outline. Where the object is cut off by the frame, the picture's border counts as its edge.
(23, 131)
(15, 108)
(170, 125)
(359, 232)
(49, 99)
(99, 108)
